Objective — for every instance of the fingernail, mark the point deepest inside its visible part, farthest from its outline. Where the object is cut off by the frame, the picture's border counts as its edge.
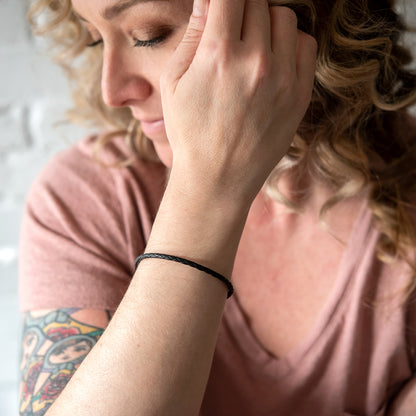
(199, 8)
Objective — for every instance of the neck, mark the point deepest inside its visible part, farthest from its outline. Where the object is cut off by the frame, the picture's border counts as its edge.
(267, 212)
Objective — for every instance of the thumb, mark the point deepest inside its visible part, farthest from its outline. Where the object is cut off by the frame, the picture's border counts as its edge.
(184, 54)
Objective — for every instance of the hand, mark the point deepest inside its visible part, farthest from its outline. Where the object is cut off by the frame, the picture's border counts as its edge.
(234, 94)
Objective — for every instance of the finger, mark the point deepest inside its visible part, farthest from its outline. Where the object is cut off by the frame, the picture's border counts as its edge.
(306, 62)
(225, 19)
(256, 27)
(200, 8)
(184, 54)
(284, 35)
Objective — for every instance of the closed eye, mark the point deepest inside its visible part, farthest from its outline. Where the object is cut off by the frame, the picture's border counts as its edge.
(151, 42)
(138, 43)
(97, 42)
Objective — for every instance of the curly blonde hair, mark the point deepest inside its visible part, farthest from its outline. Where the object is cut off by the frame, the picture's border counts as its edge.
(355, 135)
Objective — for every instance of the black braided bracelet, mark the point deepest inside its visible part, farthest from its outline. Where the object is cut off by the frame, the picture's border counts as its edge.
(188, 263)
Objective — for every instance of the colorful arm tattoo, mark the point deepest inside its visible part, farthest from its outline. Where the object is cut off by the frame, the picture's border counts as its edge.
(54, 345)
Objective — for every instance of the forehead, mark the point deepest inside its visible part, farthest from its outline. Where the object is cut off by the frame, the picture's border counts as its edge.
(112, 9)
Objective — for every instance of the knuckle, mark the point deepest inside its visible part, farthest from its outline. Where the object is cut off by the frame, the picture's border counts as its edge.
(218, 55)
(308, 41)
(193, 34)
(219, 51)
(261, 64)
(287, 13)
(286, 82)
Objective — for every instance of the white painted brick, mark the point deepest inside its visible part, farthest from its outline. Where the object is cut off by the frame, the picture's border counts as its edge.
(407, 9)
(11, 329)
(12, 127)
(48, 126)
(10, 220)
(9, 405)
(26, 74)
(10, 217)
(17, 172)
(13, 26)
(8, 280)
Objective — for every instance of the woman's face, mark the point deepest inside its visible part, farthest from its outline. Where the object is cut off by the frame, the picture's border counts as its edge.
(137, 38)
(69, 351)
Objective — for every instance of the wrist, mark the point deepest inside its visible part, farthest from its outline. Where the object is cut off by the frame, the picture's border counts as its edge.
(200, 226)
(212, 185)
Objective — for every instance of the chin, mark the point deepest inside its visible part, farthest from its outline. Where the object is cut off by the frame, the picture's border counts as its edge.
(162, 147)
(165, 153)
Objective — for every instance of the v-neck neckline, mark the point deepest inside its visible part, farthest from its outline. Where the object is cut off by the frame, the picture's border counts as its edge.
(328, 316)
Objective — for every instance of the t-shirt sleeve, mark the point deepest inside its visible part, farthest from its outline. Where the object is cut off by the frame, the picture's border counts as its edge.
(82, 227)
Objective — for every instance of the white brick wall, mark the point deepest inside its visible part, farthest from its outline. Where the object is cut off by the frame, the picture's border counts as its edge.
(33, 97)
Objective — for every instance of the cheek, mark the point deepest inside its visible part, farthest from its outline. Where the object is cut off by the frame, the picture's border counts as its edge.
(155, 62)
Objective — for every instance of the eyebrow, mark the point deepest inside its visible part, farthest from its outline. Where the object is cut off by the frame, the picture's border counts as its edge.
(113, 11)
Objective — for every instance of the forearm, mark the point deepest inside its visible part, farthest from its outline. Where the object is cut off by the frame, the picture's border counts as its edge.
(156, 354)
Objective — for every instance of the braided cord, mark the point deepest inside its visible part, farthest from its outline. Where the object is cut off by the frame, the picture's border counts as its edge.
(187, 263)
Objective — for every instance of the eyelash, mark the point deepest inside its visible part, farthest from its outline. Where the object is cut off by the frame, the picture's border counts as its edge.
(151, 43)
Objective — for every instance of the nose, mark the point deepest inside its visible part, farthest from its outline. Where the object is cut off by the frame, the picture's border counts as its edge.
(122, 82)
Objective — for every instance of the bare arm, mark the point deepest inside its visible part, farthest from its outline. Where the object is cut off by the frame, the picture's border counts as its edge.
(154, 358)
(155, 355)
(54, 343)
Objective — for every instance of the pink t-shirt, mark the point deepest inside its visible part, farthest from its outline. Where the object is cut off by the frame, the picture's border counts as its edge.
(83, 227)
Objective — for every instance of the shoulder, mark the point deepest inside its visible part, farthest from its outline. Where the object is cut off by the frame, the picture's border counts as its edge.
(89, 222)
(78, 169)
(75, 180)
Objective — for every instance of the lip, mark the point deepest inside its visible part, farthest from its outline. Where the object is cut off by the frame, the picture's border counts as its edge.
(152, 126)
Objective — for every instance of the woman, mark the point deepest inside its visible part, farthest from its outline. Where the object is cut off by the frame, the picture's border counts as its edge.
(286, 167)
